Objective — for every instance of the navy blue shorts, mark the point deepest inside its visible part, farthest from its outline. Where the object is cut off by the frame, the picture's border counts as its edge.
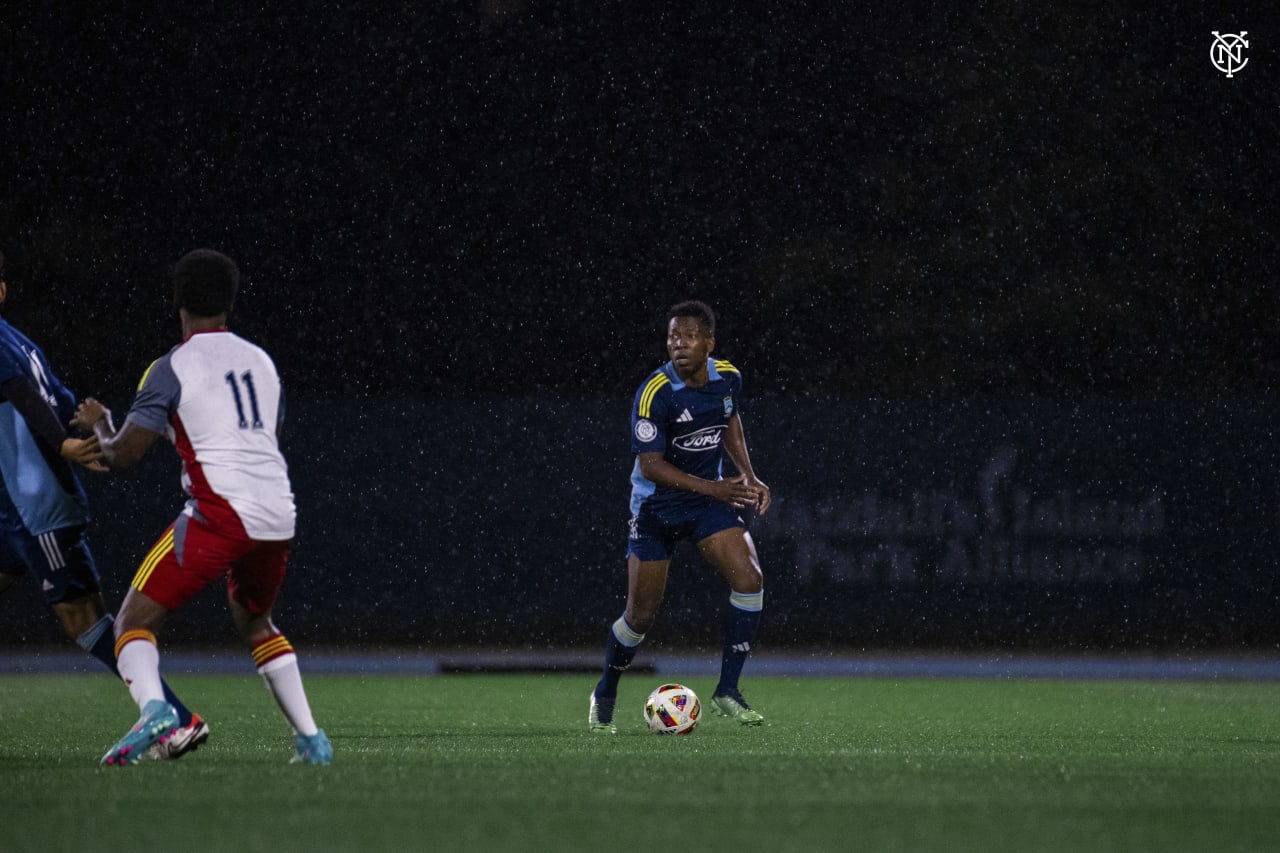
(60, 560)
(655, 531)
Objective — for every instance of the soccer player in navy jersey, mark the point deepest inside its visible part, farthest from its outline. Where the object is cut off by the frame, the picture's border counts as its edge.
(44, 511)
(685, 420)
(217, 397)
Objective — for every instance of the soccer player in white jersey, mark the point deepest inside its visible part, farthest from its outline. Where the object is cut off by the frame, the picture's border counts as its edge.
(217, 398)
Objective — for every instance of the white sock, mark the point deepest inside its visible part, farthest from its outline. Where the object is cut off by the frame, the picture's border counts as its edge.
(139, 663)
(285, 683)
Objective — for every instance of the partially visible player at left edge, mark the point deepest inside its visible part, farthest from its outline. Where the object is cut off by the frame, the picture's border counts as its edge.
(684, 422)
(44, 512)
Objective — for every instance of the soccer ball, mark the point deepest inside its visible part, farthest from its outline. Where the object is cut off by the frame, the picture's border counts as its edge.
(672, 709)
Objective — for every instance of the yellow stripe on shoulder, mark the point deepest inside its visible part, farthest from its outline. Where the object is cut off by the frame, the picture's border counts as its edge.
(650, 391)
(724, 366)
(145, 374)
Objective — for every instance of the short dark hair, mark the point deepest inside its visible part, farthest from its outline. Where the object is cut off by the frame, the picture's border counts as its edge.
(205, 283)
(700, 311)
(1, 264)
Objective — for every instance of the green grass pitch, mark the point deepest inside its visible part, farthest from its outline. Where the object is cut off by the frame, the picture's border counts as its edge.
(504, 762)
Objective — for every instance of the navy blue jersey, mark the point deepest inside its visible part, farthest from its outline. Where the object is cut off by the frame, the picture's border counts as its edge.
(687, 425)
(44, 488)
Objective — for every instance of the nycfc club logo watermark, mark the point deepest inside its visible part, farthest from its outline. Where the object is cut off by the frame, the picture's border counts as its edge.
(1227, 52)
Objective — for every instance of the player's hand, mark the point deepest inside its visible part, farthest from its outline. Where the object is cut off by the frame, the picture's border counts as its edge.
(735, 492)
(763, 496)
(88, 413)
(82, 451)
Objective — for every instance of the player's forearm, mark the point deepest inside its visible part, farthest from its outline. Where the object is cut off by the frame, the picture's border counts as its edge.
(40, 418)
(740, 459)
(660, 472)
(117, 454)
(735, 446)
(113, 457)
(125, 448)
(105, 430)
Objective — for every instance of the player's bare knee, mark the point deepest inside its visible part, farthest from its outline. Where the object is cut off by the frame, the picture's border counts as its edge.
(749, 583)
(639, 619)
(140, 612)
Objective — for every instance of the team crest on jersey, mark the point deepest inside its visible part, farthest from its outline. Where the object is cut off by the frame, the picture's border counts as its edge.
(728, 406)
(645, 430)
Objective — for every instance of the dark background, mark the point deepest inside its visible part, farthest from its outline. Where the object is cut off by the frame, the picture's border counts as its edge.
(921, 203)
(889, 196)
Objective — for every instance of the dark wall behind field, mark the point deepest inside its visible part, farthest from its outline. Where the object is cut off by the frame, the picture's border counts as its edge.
(894, 197)
(1001, 277)
(1091, 523)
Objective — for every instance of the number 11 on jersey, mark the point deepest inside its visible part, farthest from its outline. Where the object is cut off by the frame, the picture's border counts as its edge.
(247, 379)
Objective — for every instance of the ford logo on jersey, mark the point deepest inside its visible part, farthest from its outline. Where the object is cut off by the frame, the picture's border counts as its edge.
(703, 439)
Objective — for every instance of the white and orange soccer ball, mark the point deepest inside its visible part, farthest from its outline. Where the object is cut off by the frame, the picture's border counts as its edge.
(672, 709)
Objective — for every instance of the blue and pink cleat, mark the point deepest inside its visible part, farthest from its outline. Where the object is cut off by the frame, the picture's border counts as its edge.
(158, 721)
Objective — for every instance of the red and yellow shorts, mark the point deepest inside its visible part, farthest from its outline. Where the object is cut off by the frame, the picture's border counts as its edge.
(190, 556)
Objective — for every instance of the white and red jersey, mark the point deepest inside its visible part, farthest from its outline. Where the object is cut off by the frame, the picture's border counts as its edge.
(217, 397)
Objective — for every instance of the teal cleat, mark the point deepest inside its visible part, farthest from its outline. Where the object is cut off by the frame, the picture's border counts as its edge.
(312, 749)
(733, 705)
(600, 716)
(157, 722)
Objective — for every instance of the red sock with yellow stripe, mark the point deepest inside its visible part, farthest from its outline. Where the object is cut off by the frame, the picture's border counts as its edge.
(278, 665)
(275, 646)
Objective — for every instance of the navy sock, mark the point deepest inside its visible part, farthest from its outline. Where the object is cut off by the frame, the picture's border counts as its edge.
(741, 622)
(99, 641)
(621, 650)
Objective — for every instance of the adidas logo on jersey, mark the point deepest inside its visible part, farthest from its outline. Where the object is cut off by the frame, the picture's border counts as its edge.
(685, 417)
